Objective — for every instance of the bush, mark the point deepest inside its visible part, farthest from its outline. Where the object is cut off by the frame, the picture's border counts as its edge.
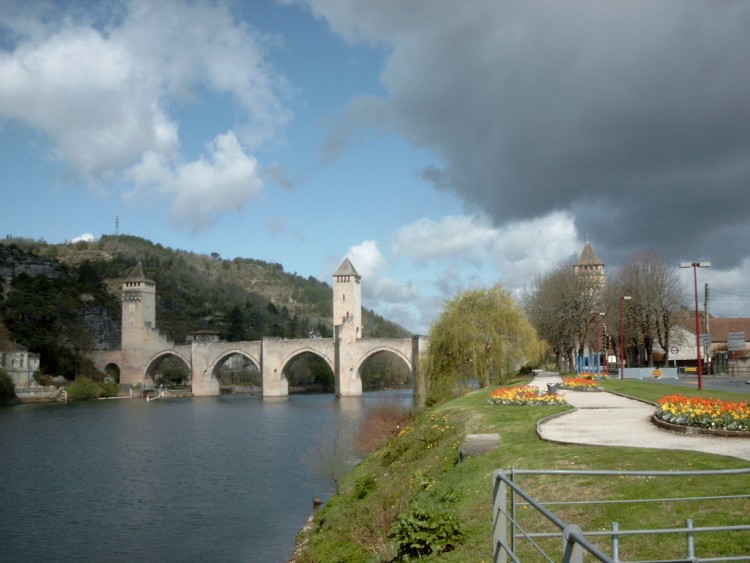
(363, 486)
(7, 389)
(84, 389)
(109, 389)
(424, 532)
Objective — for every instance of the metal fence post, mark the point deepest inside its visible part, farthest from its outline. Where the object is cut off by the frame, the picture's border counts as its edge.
(500, 521)
(690, 539)
(615, 541)
(572, 550)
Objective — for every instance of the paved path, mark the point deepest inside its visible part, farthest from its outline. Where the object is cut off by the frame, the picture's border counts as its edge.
(606, 419)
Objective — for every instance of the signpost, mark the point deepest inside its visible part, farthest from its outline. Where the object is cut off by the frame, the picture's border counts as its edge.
(735, 343)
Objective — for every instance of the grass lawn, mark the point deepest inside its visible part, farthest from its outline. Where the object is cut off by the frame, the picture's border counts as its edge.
(415, 485)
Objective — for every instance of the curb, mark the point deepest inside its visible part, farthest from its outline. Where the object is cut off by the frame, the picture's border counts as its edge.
(697, 431)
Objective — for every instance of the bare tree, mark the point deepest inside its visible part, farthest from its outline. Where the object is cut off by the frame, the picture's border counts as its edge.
(657, 297)
(563, 306)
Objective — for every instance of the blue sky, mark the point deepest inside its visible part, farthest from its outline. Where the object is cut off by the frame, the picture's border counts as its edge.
(440, 145)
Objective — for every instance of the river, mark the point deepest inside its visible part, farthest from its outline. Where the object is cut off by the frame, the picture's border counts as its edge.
(201, 479)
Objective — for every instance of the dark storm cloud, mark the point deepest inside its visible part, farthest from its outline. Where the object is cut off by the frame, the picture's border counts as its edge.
(633, 115)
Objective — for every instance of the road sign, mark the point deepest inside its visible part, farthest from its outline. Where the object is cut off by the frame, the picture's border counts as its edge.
(736, 341)
(674, 350)
(705, 340)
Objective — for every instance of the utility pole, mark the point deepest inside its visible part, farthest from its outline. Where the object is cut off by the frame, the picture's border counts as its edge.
(708, 329)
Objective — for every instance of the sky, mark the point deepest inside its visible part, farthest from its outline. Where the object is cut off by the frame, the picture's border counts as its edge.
(440, 145)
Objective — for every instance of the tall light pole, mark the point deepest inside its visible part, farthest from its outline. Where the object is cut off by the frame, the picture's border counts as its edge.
(695, 266)
(622, 335)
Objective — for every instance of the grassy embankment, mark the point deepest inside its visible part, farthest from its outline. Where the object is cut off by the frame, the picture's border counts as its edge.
(414, 480)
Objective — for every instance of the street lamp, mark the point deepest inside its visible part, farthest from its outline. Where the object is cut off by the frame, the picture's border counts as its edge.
(598, 343)
(622, 335)
(695, 266)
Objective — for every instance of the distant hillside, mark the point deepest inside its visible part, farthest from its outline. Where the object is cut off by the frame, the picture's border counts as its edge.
(48, 287)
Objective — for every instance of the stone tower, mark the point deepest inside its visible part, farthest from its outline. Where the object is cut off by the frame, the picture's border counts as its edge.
(347, 301)
(347, 328)
(590, 267)
(138, 322)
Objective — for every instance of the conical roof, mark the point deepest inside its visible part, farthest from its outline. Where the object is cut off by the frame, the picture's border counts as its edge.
(137, 274)
(346, 269)
(589, 257)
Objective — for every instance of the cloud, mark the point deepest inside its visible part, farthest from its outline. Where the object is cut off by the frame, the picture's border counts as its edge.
(630, 116)
(452, 236)
(204, 189)
(85, 237)
(102, 82)
(367, 258)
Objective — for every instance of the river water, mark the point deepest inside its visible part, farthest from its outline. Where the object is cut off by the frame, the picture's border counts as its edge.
(202, 479)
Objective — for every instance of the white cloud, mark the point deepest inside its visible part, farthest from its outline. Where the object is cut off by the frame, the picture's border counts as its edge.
(525, 249)
(465, 236)
(203, 189)
(85, 237)
(367, 258)
(104, 94)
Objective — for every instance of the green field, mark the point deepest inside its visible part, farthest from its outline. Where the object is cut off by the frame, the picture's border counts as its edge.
(414, 485)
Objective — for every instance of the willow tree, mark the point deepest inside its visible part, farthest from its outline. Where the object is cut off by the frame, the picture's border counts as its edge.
(481, 336)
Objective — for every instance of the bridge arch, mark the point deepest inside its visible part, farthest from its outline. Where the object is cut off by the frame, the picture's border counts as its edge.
(153, 364)
(384, 348)
(308, 367)
(236, 376)
(384, 367)
(112, 370)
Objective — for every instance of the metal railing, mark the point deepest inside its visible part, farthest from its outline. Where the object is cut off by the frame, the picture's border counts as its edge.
(507, 529)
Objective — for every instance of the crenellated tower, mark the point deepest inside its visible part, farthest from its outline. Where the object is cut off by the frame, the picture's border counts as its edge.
(347, 328)
(347, 301)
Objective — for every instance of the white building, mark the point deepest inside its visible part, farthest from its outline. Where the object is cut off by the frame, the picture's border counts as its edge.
(20, 364)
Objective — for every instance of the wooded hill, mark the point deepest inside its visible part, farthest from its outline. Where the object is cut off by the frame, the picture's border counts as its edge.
(60, 299)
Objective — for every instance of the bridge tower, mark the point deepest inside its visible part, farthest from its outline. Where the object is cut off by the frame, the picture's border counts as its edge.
(347, 328)
(138, 322)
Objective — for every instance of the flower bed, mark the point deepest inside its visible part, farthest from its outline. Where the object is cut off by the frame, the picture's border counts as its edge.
(523, 395)
(592, 375)
(701, 412)
(580, 384)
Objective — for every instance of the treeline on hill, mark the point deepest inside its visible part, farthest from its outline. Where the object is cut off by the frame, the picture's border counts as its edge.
(59, 300)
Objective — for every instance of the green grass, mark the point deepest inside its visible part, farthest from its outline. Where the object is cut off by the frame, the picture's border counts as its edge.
(418, 469)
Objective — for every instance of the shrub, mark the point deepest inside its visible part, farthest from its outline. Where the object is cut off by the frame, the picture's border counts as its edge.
(109, 389)
(84, 389)
(363, 486)
(423, 532)
(7, 389)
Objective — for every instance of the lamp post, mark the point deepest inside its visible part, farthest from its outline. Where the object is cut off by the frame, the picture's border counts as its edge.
(622, 335)
(598, 343)
(695, 266)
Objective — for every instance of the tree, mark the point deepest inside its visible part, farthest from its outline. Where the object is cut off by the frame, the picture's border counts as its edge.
(481, 336)
(562, 307)
(7, 389)
(657, 296)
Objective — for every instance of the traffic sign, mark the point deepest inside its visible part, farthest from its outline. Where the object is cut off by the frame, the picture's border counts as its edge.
(736, 341)
(705, 340)
(674, 350)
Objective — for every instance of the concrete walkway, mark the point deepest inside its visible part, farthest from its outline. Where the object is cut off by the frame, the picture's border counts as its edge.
(606, 419)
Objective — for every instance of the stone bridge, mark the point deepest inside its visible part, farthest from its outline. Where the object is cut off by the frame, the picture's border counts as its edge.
(144, 347)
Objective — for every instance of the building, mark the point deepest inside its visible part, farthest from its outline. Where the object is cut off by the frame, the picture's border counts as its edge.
(20, 364)
(590, 267)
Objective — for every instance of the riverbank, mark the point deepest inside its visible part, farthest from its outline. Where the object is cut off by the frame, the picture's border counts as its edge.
(414, 488)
